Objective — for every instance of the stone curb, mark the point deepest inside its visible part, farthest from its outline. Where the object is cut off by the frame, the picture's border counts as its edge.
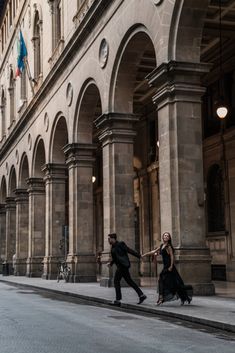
(138, 308)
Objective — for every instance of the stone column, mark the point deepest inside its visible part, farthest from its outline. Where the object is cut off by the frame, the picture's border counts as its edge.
(145, 222)
(178, 100)
(55, 179)
(22, 231)
(2, 233)
(81, 258)
(10, 230)
(36, 247)
(117, 136)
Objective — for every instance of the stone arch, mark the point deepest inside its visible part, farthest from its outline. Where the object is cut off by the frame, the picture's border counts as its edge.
(88, 101)
(3, 190)
(134, 46)
(23, 171)
(59, 138)
(39, 158)
(186, 30)
(12, 182)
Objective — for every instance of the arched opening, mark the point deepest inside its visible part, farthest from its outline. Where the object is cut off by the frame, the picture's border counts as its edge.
(11, 220)
(22, 219)
(132, 94)
(24, 172)
(3, 193)
(89, 189)
(37, 212)
(57, 199)
(39, 159)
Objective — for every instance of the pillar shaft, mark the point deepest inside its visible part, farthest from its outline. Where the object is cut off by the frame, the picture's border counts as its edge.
(55, 184)
(36, 248)
(181, 167)
(2, 232)
(22, 230)
(81, 256)
(117, 137)
(10, 229)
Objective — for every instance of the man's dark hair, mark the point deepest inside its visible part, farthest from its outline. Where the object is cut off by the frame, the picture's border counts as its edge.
(113, 236)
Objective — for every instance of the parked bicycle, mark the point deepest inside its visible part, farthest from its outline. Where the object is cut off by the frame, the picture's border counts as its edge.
(63, 271)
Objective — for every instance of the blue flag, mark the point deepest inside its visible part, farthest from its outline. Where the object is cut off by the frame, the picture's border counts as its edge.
(22, 54)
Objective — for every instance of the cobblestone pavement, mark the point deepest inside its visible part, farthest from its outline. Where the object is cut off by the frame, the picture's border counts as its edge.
(216, 311)
(35, 321)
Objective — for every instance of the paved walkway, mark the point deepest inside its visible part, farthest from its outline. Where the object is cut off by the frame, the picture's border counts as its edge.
(216, 311)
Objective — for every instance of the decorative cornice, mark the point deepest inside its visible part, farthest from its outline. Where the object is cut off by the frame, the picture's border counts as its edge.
(70, 50)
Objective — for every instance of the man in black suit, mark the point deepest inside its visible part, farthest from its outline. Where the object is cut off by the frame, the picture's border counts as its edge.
(119, 253)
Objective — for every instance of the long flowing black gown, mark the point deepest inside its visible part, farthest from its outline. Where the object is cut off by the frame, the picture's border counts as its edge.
(170, 284)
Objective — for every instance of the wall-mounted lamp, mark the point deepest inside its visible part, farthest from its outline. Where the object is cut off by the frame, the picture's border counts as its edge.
(221, 110)
(221, 107)
(93, 179)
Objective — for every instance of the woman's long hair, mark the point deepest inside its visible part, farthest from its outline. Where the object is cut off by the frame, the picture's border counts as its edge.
(169, 241)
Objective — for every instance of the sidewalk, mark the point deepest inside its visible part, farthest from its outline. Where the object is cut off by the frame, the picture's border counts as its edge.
(216, 311)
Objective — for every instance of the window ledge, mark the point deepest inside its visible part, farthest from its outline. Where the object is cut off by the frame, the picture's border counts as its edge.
(56, 53)
(82, 11)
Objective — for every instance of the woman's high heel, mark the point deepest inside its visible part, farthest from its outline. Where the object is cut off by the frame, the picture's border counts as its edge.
(160, 301)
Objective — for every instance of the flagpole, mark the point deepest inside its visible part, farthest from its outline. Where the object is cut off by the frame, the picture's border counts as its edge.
(29, 74)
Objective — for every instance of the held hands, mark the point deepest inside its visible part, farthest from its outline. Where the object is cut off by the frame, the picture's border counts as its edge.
(108, 264)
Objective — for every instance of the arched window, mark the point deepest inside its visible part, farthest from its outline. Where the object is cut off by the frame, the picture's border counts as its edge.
(3, 114)
(37, 47)
(215, 199)
(56, 11)
(11, 90)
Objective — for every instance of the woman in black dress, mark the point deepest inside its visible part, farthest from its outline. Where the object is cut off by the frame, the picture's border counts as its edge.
(170, 284)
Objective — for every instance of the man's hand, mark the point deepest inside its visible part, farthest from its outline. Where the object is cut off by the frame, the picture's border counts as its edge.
(108, 264)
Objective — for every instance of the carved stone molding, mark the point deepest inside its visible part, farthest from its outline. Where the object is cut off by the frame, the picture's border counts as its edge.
(103, 53)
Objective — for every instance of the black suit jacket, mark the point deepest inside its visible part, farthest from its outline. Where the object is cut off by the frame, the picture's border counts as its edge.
(119, 253)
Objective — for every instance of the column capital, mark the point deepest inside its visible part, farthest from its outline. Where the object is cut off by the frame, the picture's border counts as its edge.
(80, 154)
(116, 127)
(178, 82)
(36, 185)
(54, 171)
(22, 195)
(10, 203)
(2, 208)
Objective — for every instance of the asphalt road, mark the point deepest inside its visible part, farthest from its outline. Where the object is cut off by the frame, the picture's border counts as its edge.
(38, 322)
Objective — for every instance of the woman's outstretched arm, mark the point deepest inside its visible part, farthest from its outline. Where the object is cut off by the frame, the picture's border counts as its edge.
(152, 252)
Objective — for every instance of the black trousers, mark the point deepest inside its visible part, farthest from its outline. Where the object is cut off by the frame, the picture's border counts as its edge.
(123, 272)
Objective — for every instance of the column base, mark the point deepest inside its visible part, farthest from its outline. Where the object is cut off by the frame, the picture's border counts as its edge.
(83, 268)
(50, 267)
(20, 268)
(34, 266)
(230, 271)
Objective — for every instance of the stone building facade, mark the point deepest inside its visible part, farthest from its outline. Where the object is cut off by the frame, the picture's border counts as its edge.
(113, 133)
